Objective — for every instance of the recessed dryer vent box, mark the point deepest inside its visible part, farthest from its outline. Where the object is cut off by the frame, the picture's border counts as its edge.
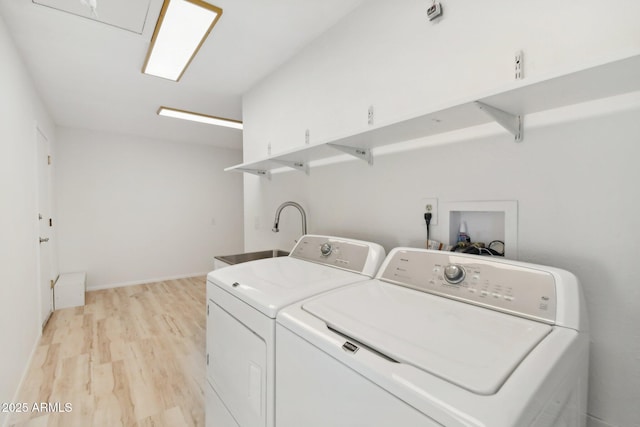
(485, 220)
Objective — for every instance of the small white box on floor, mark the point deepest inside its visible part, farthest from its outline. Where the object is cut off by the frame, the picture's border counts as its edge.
(69, 290)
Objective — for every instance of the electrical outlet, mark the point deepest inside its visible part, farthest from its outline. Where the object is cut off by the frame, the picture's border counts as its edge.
(370, 115)
(519, 65)
(307, 137)
(429, 205)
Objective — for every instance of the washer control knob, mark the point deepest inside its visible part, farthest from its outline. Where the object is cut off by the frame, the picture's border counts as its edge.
(326, 249)
(454, 273)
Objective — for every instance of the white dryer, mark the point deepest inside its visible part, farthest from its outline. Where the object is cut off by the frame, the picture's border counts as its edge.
(242, 303)
(437, 339)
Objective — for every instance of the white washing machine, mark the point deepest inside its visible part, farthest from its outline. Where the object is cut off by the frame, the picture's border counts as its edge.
(437, 339)
(242, 303)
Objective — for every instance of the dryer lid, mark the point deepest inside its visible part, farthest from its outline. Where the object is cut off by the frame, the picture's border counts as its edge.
(469, 346)
(271, 284)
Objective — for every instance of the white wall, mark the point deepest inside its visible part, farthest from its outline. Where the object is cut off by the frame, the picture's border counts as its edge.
(575, 179)
(20, 111)
(134, 210)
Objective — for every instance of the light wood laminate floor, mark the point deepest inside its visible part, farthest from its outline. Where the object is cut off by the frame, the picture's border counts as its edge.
(132, 356)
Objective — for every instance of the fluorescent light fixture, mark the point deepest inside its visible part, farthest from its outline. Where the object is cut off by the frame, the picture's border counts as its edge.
(201, 118)
(182, 28)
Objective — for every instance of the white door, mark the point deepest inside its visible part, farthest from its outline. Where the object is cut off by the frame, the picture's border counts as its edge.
(45, 273)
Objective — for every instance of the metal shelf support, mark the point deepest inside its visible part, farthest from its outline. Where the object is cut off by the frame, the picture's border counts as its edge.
(360, 153)
(300, 166)
(257, 172)
(511, 122)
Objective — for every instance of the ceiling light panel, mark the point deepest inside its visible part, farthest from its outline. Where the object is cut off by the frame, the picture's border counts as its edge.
(182, 28)
(200, 118)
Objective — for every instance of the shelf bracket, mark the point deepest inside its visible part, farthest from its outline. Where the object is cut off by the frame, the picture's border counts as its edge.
(300, 166)
(511, 122)
(361, 153)
(257, 172)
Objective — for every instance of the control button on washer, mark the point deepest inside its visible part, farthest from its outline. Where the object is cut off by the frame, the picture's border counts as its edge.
(325, 249)
(454, 273)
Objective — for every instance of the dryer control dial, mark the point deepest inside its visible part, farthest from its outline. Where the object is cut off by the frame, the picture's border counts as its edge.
(454, 273)
(326, 249)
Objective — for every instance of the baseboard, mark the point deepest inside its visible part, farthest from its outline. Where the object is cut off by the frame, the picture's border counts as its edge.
(25, 371)
(143, 282)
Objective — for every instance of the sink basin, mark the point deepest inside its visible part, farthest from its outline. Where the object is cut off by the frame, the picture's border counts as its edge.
(251, 256)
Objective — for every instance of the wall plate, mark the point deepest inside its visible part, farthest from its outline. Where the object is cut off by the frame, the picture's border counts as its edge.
(429, 205)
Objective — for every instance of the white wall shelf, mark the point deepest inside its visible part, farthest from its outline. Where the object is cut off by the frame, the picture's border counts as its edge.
(506, 106)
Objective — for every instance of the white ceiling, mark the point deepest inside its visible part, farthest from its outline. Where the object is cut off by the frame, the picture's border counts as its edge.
(88, 73)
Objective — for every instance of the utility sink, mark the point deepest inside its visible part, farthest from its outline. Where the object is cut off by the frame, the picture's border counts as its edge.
(251, 256)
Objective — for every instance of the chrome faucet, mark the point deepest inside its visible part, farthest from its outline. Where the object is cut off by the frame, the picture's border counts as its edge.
(295, 205)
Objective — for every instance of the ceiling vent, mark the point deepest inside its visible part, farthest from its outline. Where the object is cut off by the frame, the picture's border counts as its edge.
(128, 15)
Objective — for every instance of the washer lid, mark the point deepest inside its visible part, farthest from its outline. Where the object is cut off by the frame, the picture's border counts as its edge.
(271, 284)
(472, 347)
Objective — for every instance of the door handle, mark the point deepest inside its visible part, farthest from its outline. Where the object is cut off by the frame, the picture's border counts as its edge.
(46, 239)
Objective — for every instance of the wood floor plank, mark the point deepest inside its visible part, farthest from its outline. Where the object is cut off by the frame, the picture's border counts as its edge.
(132, 356)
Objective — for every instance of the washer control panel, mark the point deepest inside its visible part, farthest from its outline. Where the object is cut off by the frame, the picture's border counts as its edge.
(485, 281)
(354, 255)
